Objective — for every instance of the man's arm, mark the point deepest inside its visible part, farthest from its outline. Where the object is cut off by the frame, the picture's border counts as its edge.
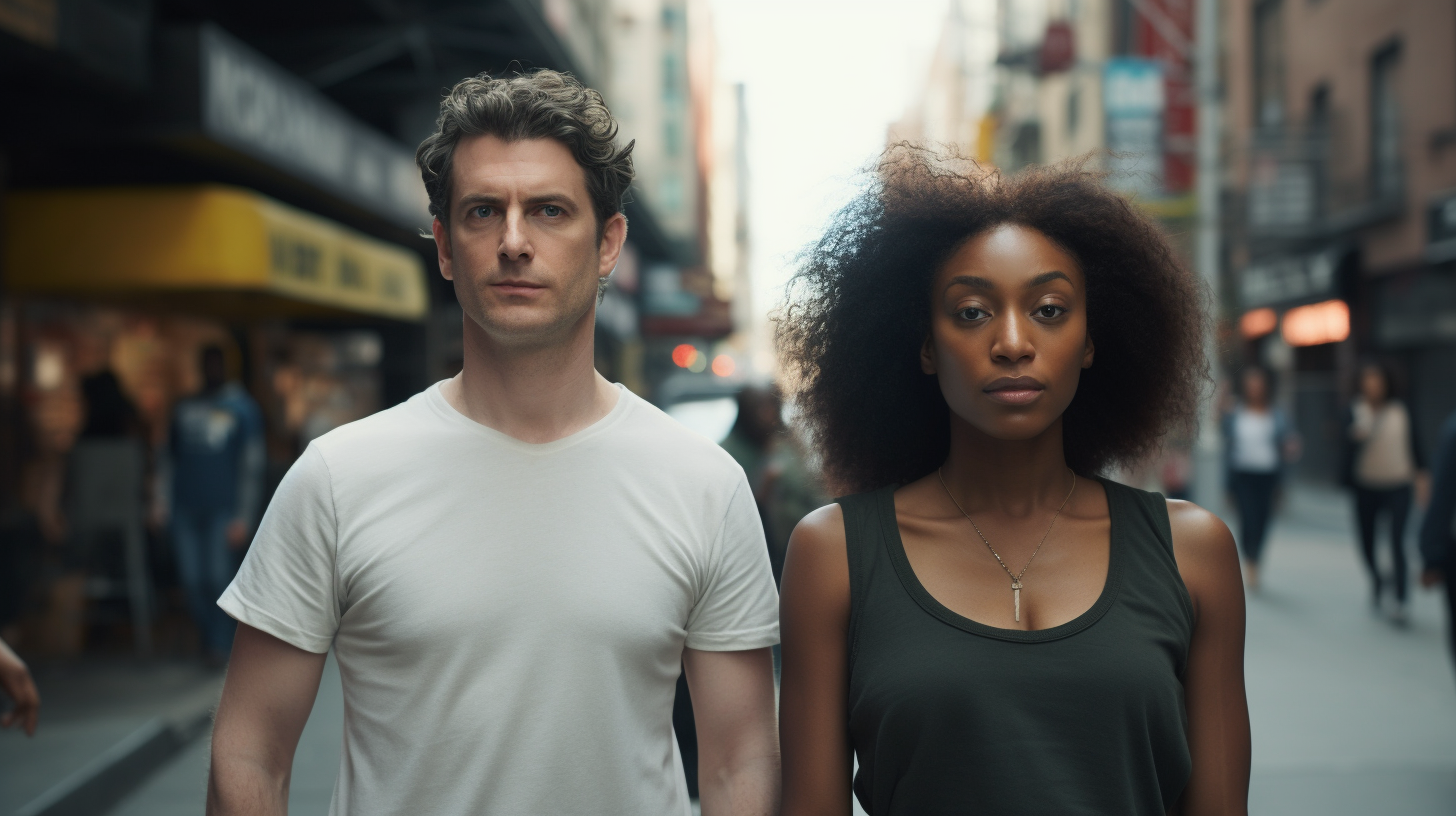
(738, 741)
(16, 683)
(1436, 529)
(266, 700)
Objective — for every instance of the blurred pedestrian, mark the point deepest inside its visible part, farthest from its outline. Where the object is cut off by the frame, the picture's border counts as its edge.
(1438, 530)
(17, 684)
(753, 432)
(110, 413)
(1384, 464)
(213, 475)
(985, 622)
(1258, 442)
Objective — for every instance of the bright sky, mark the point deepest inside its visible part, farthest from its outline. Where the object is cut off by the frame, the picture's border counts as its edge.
(824, 79)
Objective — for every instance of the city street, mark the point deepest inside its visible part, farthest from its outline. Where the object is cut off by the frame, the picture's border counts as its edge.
(1351, 716)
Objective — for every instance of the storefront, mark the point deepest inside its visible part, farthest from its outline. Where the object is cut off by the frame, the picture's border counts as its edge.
(135, 281)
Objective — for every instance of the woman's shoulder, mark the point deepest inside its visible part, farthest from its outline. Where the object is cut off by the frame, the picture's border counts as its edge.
(1204, 548)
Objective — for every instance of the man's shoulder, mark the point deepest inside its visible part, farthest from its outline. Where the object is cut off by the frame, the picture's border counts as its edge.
(371, 437)
(677, 450)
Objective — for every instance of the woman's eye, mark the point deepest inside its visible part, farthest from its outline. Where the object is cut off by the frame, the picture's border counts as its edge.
(1050, 311)
(971, 313)
(551, 211)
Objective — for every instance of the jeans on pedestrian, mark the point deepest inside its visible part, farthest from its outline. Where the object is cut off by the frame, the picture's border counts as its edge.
(1370, 504)
(206, 565)
(1254, 495)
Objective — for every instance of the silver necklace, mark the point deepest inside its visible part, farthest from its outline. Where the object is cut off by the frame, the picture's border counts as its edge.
(1015, 576)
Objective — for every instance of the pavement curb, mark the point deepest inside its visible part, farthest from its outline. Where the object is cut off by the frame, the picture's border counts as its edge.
(101, 783)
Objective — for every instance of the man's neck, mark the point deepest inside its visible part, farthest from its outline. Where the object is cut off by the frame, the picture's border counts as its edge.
(537, 393)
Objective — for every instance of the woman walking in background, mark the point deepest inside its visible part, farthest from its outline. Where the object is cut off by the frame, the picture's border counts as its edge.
(1257, 444)
(988, 624)
(1386, 466)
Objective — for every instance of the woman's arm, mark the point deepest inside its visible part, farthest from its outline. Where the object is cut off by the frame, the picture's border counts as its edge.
(1213, 682)
(814, 624)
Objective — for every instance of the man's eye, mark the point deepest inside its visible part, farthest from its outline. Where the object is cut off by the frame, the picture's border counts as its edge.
(1049, 311)
(551, 211)
(483, 211)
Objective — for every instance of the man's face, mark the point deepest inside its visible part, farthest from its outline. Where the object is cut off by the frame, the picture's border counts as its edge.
(522, 244)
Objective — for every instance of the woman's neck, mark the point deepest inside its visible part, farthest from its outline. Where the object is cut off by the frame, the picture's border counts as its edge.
(1016, 477)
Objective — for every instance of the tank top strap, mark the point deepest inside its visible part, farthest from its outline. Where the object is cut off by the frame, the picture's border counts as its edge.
(864, 544)
(1149, 508)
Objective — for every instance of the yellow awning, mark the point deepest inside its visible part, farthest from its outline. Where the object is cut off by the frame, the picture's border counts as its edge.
(211, 240)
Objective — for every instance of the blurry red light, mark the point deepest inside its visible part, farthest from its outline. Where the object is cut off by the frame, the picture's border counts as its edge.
(683, 355)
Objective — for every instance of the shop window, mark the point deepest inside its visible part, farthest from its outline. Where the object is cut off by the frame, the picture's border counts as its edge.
(1269, 63)
(1385, 158)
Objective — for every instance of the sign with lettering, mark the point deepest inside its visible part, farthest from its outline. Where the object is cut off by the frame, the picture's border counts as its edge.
(256, 107)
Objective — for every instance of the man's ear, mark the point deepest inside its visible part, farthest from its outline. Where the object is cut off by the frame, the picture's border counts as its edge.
(927, 355)
(609, 249)
(1088, 353)
(442, 248)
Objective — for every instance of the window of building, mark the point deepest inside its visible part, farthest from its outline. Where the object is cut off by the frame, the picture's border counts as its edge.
(1385, 160)
(1269, 63)
(1074, 111)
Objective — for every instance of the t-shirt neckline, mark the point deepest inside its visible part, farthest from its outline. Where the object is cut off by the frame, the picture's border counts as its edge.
(435, 397)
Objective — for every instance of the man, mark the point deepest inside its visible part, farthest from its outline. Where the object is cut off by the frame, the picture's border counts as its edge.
(1438, 530)
(513, 566)
(214, 464)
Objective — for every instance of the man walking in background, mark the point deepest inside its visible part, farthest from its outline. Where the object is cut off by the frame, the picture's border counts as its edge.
(514, 566)
(212, 474)
(1438, 531)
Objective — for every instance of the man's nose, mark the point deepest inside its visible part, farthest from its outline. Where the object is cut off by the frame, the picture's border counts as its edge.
(515, 245)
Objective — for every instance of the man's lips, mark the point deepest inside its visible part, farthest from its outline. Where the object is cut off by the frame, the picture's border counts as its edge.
(517, 287)
(1014, 390)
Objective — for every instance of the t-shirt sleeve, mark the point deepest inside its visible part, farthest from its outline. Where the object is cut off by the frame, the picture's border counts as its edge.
(739, 606)
(286, 585)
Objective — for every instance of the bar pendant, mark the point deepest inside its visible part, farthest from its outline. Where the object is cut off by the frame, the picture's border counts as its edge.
(1016, 598)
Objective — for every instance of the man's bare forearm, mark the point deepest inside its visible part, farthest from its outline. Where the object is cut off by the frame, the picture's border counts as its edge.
(240, 787)
(750, 787)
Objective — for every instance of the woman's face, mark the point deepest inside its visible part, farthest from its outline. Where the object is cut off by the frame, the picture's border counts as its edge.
(1008, 332)
(1256, 388)
(1372, 384)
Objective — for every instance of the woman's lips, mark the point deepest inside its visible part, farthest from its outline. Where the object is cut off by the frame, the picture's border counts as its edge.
(1015, 390)
(1014, 396)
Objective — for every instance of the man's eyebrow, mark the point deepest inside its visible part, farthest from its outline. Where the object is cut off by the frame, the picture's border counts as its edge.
(549, 198)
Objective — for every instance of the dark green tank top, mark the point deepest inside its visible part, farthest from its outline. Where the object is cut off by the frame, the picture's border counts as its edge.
(949, 716)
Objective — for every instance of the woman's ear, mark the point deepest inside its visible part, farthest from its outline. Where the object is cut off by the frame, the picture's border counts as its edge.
(1088, 353)
(927, 355)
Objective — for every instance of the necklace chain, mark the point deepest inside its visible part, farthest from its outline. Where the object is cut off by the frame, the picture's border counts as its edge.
(1015, 577)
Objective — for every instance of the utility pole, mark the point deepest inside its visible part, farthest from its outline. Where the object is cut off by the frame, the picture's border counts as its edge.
(1207, 486)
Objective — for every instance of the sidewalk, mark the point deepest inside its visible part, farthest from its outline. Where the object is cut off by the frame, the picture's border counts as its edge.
(105, 724)
(1351, 716)
(180, 787)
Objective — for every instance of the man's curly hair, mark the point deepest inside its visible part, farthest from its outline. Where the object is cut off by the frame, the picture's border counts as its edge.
(541, 104)
(859, 311)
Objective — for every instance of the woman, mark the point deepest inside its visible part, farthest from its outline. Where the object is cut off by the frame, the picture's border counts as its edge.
(1386, 464)
(988, 625)
(1257, 443)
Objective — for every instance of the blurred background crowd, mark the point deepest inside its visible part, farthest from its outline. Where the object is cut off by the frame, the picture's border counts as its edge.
(210, 251)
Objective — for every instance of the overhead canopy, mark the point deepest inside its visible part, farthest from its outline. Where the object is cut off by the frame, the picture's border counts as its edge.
(211, 241)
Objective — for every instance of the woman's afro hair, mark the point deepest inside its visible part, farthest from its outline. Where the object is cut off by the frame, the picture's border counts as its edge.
(858, 313)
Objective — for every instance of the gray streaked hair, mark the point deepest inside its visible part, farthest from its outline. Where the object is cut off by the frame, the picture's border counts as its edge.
(542, 104)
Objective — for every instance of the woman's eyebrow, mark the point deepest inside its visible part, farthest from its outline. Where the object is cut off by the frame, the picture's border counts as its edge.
(1047, 277)
(978, 282)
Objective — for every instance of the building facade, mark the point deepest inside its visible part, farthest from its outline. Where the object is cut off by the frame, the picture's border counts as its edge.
(1340, 148)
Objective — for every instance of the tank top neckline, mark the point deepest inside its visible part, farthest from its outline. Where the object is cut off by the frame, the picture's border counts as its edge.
(908, 579)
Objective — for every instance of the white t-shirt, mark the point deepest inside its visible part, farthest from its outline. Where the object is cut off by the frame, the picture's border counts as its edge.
(1255, 448)
(509, 618)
